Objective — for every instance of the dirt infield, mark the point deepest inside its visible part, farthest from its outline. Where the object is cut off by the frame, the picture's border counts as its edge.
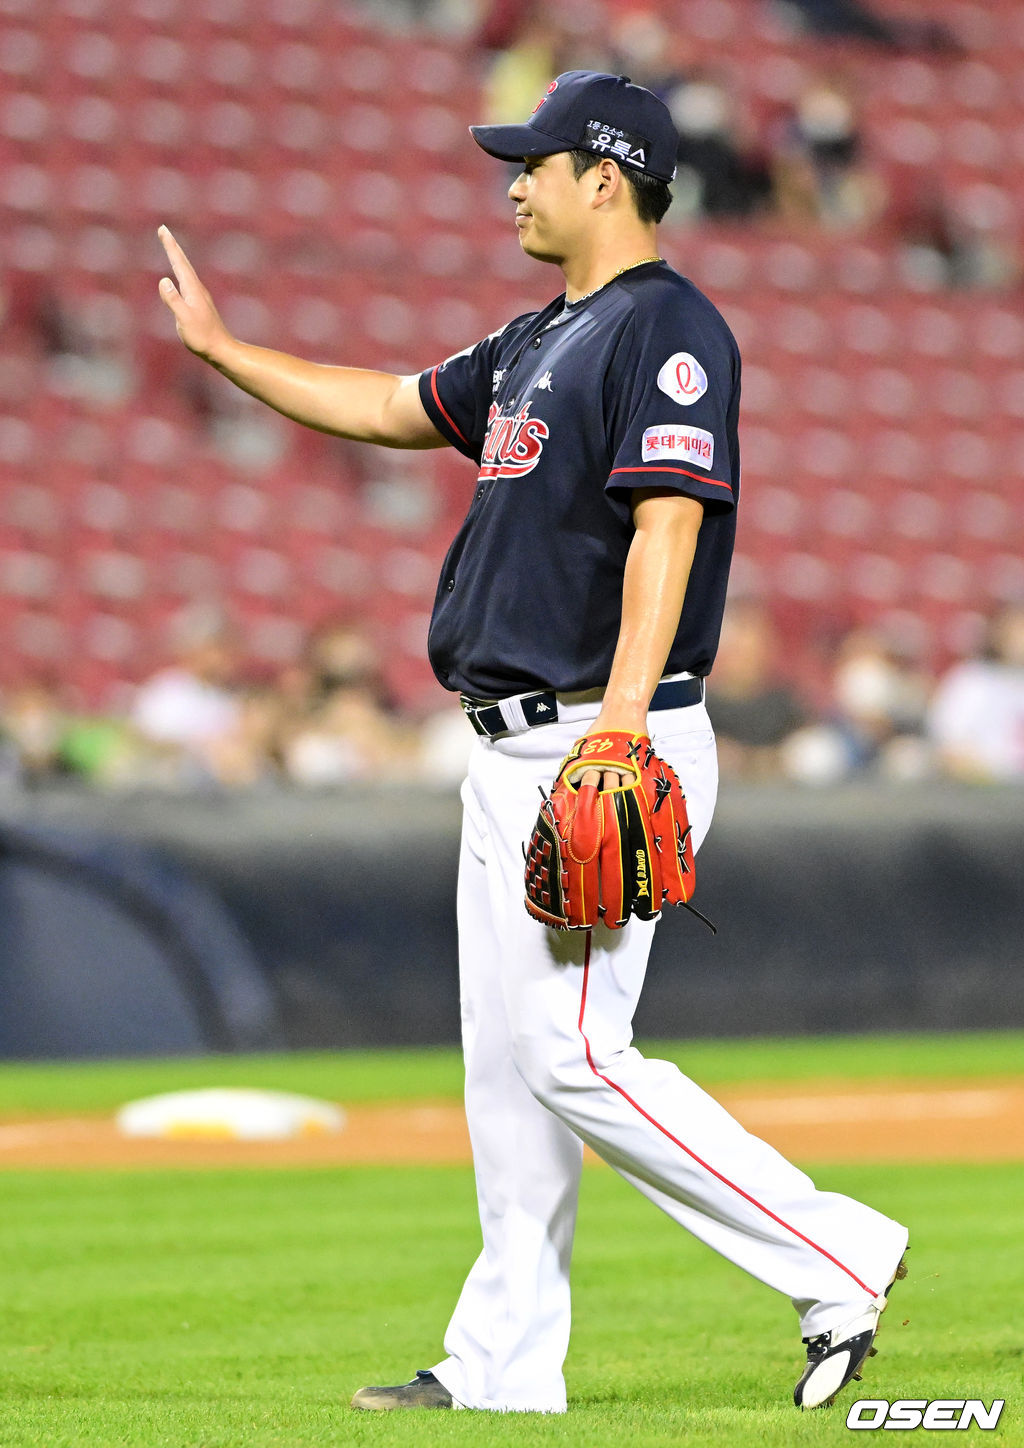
(971, 1120)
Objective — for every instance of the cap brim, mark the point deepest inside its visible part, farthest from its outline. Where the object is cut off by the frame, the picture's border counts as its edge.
(512, 143)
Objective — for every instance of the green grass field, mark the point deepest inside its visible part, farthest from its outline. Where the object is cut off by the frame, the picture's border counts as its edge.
(28, 1088)
(217, 1308)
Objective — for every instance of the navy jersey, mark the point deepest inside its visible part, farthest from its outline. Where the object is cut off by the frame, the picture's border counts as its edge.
(565, 411)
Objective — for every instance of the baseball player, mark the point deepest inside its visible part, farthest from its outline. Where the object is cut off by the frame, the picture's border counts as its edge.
(581, 601)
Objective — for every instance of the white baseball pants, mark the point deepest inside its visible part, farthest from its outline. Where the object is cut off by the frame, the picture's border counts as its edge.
(546, 1021)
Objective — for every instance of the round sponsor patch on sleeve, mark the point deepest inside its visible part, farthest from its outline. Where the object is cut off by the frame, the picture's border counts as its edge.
(683, 378)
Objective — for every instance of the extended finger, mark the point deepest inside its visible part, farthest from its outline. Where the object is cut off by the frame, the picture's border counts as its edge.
(182, 267)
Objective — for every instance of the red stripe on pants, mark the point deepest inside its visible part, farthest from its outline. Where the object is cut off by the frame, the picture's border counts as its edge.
(683, 1147)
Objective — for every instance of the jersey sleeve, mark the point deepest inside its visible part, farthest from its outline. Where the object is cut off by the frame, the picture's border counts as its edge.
(457, 394)
(671, 403)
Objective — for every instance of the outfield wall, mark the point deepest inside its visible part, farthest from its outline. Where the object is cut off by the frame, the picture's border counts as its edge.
(862, 908)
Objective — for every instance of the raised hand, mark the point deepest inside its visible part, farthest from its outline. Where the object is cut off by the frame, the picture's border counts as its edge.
(197, 319)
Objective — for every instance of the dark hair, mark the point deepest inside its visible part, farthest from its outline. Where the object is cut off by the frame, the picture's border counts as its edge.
(651, 195)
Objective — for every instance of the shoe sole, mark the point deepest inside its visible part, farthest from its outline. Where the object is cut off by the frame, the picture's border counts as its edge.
(852, 1373)
(371, 1403)
(403, 1397)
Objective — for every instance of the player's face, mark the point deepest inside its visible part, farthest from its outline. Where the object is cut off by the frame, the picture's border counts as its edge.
(551, 208)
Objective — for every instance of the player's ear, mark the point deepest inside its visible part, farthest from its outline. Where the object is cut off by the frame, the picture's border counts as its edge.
(607, 180)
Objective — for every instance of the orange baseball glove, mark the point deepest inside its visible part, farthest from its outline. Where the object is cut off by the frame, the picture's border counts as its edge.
(605, 854)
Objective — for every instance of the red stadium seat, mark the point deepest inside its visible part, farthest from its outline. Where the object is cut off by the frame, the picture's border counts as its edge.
(320, 173)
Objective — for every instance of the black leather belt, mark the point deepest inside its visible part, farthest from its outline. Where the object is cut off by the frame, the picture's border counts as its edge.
(491, 718)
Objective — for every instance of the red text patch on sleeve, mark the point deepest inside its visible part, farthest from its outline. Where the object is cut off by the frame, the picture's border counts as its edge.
(692, 444)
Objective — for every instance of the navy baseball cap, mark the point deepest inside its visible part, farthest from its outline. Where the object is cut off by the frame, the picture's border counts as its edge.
(587, 110)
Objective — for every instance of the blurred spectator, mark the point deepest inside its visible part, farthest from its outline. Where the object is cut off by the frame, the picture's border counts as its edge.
(645, 49)
(859, 21)
(718, 175)
(720, 172)
(819, 171)
(190, 710)
(880, 696)
(502, 23)
(752, 710)
(109, 753)
(43, 741)
(451, 17)
(341, 655)
(347, 736)
(348, 728)
(329, 721)
(976, 718)
(33, 727)
(250, 753)
(88, 344)
(520, 75)
(940, 247)
(580, 27)
(530, 44)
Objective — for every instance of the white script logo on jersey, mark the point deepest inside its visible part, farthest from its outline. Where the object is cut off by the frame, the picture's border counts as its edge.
(691, 444)
(683, 378)
(513, 445)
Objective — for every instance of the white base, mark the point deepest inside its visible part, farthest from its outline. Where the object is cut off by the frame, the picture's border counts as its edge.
(229, 1114)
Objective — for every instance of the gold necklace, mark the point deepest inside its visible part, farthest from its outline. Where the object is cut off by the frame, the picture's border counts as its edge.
(642, 262)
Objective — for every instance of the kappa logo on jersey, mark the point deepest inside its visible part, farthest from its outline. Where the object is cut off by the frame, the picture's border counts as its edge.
(513, 445)
(683, 378)
(691, 444)
(543, 384)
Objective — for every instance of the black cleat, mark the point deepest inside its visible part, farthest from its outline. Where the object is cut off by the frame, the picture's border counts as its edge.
(835, 1358)
(423, 1392)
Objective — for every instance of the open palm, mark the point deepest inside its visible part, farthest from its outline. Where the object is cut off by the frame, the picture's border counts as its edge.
(197, 319)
